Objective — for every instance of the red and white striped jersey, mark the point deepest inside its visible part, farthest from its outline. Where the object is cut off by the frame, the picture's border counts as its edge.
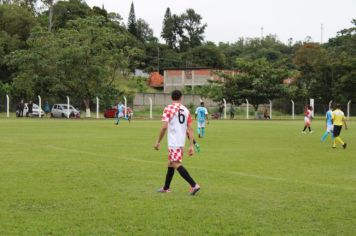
(178, 118)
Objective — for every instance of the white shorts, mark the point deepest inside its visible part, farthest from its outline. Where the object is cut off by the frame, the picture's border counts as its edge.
(307, 120)
(201, 124)
(329, 128)
(121, 114)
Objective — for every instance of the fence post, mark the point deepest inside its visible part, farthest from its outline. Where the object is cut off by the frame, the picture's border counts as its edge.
(125, 106)
(7, 106)
(68, 107)
(97, 108)
(150, 107)
(348, 110)
(224, 108)
(331, 101)
(247, 106)
(292, 109)
(270, 109)
(39, 106)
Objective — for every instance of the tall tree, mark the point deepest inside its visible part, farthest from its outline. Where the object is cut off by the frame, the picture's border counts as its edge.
(194, 30)
(131, 23)
(168, 33)
(144, 31)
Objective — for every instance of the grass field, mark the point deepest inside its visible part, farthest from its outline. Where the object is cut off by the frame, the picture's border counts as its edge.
(88, 177)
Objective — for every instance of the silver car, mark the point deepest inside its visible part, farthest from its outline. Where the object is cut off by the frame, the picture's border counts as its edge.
(61, 110)
(35, 110)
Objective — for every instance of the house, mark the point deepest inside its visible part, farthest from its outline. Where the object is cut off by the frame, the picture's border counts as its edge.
(190, 77)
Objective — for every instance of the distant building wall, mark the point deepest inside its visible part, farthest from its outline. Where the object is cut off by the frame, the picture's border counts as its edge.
(163, 99)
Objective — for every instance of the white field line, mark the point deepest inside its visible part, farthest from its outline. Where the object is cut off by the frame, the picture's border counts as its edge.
(238, 173)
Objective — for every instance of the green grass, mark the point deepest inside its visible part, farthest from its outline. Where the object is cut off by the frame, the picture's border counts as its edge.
(89, 177)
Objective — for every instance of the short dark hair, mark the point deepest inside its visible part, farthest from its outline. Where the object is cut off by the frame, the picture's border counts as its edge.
(176, 95)
(337, 105)
(202, 104)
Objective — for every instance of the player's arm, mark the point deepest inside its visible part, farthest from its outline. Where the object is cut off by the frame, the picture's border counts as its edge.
(161, 134)
(344, 120)
(190, 133)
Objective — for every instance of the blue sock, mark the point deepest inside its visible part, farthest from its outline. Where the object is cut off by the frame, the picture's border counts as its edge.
(325, 135)
(202, 131)
(198, 131)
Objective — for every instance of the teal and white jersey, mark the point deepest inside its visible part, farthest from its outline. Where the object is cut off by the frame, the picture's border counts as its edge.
(201, 113)
(120, 108)
(329, 117)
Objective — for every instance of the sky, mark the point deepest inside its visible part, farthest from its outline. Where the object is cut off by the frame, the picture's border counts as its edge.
(229, 20)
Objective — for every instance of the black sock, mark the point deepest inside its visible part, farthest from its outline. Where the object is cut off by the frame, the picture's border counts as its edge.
(169, 177)
(194, 142)
(309, 129)
(184, 173)
(305, 127)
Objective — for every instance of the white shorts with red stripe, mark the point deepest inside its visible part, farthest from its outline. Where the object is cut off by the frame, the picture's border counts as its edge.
(175, 154)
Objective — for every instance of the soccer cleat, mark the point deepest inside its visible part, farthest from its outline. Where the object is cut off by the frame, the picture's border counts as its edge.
(194, 190)
(311, 132)
(197, 147)
(162, 190)
(344, 145)
(199, 136)
(303, 132)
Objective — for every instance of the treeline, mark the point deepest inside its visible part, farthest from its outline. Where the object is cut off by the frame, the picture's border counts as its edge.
(67, 48)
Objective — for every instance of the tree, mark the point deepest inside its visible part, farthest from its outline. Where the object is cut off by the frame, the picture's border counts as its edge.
(315, 78)
(194, 30)
(257, 80)
(207, 55)
(80, 60)
(132, 24)
(168, 32)
(144, 32)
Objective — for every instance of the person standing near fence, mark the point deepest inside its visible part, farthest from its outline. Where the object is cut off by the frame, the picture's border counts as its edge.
(307, 119)
(177, 120)
(338, 120)
(29, 109)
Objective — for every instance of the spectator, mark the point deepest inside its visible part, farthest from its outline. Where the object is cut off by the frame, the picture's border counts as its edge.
(29, 106)
(20, 108)
(265, 114)
(47, 108)
(232, 112)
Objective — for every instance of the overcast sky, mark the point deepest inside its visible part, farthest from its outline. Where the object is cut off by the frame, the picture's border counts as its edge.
(229, 20)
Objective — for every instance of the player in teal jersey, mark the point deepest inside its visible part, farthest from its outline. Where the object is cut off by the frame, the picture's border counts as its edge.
(329, 125)
(201, 114)
(119, 113)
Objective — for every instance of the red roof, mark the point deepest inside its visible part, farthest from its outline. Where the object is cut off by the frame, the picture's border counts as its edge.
(156, 80)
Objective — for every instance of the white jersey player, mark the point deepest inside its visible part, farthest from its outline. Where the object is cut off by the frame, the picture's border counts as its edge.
(177, 120)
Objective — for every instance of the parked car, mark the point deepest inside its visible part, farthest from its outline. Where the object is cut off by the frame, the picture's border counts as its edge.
(111, 112)
(61, 110)
(35, 110)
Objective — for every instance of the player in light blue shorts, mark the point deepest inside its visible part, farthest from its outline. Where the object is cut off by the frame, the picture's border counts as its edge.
(119, 113)
(201, 114)
(329, 126)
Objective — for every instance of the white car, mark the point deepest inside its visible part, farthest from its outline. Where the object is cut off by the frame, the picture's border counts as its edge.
(61, 110)
(35, 110)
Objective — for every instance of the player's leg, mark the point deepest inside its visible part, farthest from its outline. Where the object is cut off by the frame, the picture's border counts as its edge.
(325, 135)
(337, 139)
(198, 129)
(169, 177)
(202, 129)
(117, 118)
(176, 155)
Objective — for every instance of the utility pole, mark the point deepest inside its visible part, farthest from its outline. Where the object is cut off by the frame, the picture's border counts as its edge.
(158, 59)
(261, 32)
(321, 33)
